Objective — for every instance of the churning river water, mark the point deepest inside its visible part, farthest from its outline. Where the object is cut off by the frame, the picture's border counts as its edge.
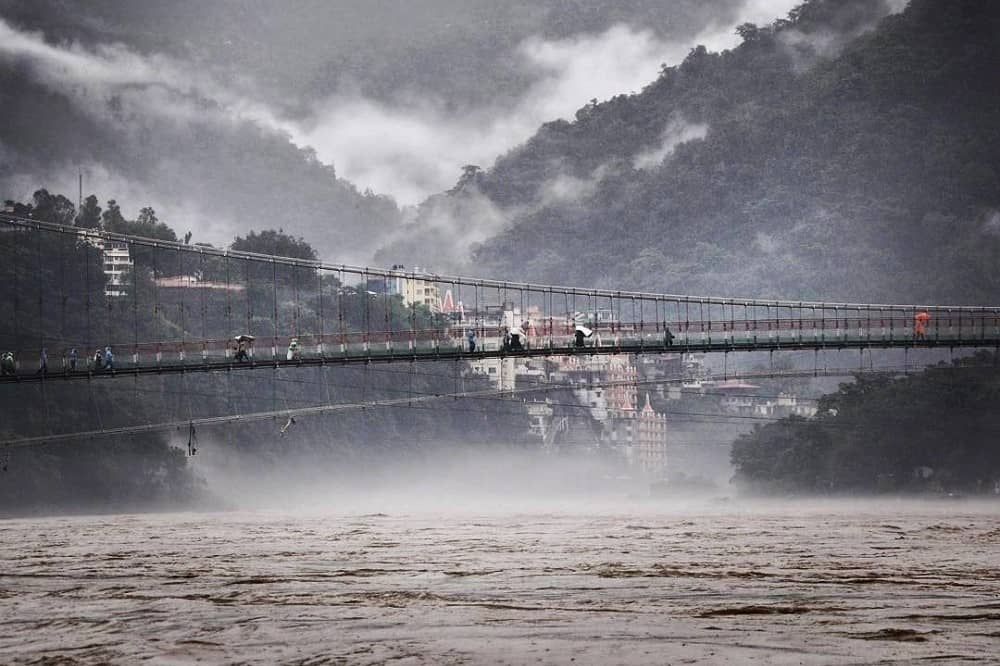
(835, 583)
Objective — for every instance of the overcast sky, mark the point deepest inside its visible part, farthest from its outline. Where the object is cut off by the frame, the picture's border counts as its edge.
(408, 142)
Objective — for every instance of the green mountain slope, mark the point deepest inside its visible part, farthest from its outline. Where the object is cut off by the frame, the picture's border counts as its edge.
(863, 171)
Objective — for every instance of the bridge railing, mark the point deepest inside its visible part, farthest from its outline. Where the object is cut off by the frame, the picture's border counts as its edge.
(157, 302)
(632, 337)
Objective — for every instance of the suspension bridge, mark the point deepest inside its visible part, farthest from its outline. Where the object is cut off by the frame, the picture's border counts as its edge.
(152, 307)
(168, 307)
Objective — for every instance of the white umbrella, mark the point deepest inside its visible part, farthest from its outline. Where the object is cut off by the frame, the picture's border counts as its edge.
(586, 331)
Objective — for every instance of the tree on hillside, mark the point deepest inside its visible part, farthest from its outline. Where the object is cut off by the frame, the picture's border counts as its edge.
(276, 243)
(90, 214)
(53, 208)
(749, 32)
(471, 174)
(147, 225)
(147, 216)
(112, 219)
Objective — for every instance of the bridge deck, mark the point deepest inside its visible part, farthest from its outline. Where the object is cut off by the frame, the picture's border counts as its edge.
(172, 363)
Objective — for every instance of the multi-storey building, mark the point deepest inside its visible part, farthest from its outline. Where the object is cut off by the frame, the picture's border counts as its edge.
(117, 263)
(649, 447)
(500, 371)
(539, 418)
(414, 290)
(786, 404)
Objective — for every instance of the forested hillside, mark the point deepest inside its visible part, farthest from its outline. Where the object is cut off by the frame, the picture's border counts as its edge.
(933, 431)
(818, 160)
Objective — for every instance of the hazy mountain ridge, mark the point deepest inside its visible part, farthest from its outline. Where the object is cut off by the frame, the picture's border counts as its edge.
(871, 175)
(200, 171)
(229, 116)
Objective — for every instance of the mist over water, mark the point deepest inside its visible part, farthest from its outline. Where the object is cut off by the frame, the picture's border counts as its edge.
(440, 477)
(450, 552)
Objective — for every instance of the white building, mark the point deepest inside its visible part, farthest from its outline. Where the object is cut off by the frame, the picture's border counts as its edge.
(501, 371)
(649, 446)
(787, 404)
(540, 418)
(415, 290)
(117, 262)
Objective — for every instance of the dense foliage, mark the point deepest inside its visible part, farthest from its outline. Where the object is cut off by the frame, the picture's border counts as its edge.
(931, 431)
(835, 163)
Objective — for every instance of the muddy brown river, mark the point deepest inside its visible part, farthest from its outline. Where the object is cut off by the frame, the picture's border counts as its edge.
(632, 583)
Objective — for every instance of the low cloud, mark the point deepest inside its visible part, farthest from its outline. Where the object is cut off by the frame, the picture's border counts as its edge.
(852, 20)
(417, 147)
(722, 35)
(409, 149)
(442, 232)
(568, 188)
(113, 82)
(678, 131)
(991, 223)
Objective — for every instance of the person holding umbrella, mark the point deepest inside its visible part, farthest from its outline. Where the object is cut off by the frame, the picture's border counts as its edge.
(243, 343)
(516, 333)
(243, 347)
(7, 366)
(579, 334)
(920, 321)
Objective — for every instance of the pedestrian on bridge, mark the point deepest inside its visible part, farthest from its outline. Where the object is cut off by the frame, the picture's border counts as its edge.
(516, 334)
(241, 350)
(98, 359)
(7, 366)
(72, 359)
(293, 350)
(920, 321)
(43, 362)
(471, 336)
(109, 360)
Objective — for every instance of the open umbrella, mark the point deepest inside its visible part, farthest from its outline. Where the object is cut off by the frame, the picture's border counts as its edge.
(586, 331)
